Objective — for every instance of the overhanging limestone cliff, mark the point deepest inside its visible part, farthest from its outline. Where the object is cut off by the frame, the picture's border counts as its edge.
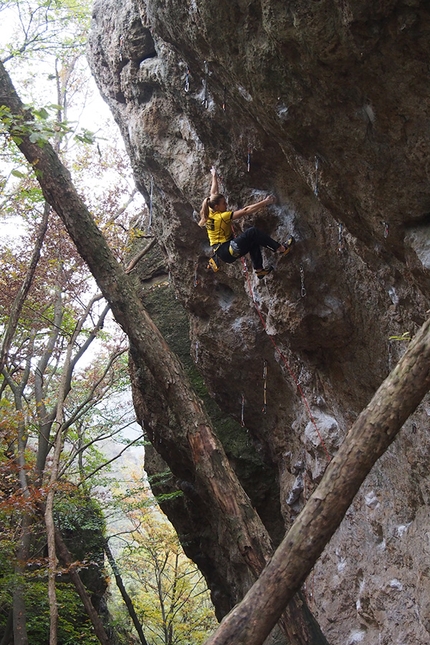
(329, 102)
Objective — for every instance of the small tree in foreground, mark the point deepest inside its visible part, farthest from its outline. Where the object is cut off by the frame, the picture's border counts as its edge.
(169, 593)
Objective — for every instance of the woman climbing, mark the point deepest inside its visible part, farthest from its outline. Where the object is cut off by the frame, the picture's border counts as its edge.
(217, 220)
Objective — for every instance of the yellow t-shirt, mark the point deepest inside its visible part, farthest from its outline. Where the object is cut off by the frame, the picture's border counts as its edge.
(219, 227)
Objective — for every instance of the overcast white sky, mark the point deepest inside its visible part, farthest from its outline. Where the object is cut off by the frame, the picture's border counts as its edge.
(31, 78)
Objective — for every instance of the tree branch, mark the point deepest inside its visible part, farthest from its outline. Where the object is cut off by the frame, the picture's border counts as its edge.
(24, 289)
(124, 594)
(106, 463)
(139, 256)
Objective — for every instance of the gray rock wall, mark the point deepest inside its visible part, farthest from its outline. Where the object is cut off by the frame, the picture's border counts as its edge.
(326, 104)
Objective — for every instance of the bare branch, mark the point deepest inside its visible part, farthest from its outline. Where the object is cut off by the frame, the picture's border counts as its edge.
(122, 210)
(139, 256)
(111, 460)
(90, 398)
(97, 439)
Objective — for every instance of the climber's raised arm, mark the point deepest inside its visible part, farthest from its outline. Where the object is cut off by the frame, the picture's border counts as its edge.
(253, 208)
(214, 184)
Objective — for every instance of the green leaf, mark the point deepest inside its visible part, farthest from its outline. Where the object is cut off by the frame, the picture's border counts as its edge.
(41, 114)
(19, 174)
(86, 137)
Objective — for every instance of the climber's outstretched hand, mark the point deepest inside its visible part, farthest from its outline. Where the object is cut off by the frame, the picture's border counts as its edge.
(271, 199)
(254, 208)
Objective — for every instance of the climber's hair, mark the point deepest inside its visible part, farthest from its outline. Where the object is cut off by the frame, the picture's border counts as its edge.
(209, 202)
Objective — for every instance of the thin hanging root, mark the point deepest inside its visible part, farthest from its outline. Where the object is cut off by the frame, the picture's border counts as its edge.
(242, 412)
(205, 99)
(264, 410)
(340, 238)
(316, 176)
(248, 163)
(302, 281)
(151, 194)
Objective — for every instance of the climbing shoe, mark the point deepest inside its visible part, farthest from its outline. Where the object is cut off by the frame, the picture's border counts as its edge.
(234, 249)
(261, 273)
(288, 245)
(214, 264)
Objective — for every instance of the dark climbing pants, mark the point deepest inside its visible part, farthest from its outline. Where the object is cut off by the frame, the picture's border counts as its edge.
(250, 242)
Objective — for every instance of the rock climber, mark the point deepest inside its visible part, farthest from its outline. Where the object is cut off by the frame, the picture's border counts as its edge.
(217, 220)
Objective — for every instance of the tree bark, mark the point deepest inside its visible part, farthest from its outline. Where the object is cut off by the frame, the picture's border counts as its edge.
(124, 594)
(202, 457)
(251, 621)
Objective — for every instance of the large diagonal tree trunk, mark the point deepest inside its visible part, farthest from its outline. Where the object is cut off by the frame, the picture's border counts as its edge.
(372, 433)
(200, 455)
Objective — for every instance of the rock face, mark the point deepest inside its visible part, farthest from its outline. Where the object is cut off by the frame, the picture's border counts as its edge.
(325, 104)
